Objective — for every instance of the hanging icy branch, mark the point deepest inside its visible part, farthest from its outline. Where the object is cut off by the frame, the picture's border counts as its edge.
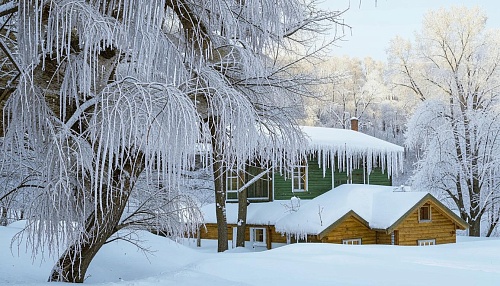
(9, 8)
(253, 180)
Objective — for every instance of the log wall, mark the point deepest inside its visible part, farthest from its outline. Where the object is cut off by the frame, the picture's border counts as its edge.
(408, 232)
(351, 228)
(210, 232)
(440, 228)
(383, 238)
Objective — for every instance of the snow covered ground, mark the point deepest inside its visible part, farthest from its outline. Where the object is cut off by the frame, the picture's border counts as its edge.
(469, 262)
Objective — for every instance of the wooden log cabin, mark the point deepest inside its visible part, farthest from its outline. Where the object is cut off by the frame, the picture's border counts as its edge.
(345, 194)
(348, 214)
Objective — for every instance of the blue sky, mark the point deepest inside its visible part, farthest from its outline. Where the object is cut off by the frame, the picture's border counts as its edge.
(374, 25)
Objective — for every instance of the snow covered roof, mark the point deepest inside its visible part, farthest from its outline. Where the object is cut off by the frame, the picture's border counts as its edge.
(351, 147)
(352, 141)
(267, 213)
(379, 206)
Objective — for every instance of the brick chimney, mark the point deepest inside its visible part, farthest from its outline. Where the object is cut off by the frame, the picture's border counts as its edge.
(354, 123)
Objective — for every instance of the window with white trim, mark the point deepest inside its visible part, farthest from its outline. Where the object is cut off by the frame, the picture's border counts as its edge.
(258, 190)
(424, 213)
(299, 178)
(258, 236)
(426, 242)
(352, 241)
(233, 183)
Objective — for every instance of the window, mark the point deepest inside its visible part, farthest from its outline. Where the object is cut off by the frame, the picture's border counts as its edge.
(233, 183)
(424, 213)
(426, 242)
(258, 236)
(299, 178)
(352, 241)
(259, 190)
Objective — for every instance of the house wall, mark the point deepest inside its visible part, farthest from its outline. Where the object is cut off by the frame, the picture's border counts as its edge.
(440, 228)
(383, 238)
(260, 190)
(210, 232)
(377, 177)
(351, 228)
(316, 185)
(319, 184)
(408, 232)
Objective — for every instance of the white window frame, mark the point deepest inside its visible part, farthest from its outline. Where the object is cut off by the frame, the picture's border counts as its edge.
(230, 189)
(269, 180)
(430, 213)
(253, 235)
(297, 174)
(351, 241)
(426, 242)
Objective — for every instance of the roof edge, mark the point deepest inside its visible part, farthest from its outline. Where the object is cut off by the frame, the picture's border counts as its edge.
(447, 212)
(340, 220)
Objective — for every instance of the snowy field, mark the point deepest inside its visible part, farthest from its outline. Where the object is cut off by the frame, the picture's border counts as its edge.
(469, 262)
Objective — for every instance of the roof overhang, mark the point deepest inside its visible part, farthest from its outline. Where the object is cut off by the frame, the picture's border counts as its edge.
(350, 213)
(459, 222)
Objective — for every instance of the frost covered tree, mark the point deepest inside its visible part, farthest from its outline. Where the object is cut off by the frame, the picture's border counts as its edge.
(108, 102)
(349, 87)
(453, 67)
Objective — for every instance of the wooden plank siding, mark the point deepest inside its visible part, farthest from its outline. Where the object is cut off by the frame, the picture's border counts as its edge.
(383, 238)
(377, 177)
(210, 232)
(319, 184)
(408, 232)
(440, 228)
(260, 190)
(351, 228)
(316, 183)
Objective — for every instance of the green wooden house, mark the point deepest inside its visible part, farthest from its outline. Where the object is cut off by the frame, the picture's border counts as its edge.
(341, 193)
(334, 157)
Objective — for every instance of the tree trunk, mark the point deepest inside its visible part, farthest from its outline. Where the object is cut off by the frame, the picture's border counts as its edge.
(3, 217)
(73, 264)
(475, 228)
(220, 206)
(242, 218)
(99, 226)
(220, 188)
(198, 237)
(492, 226)
(475, 210)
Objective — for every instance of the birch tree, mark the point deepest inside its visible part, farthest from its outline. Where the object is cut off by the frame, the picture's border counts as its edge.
(108, 101)
(452, 66)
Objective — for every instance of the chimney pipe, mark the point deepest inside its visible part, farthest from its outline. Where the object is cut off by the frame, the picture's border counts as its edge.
(354, 123)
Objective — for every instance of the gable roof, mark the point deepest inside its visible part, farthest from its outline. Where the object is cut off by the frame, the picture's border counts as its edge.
(341, 220)
(378, 207)
(459, 222)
